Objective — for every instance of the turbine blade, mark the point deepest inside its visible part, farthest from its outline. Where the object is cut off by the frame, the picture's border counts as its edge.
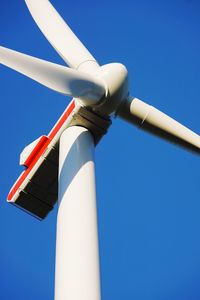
(56, 77)
(156, 122)
(59, 34)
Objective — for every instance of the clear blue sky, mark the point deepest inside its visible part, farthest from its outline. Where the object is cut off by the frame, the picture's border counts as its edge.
(148, 190)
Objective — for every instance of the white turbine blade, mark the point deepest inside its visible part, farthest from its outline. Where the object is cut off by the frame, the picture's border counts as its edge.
(59, 34)
(56, 77)
(151, 119)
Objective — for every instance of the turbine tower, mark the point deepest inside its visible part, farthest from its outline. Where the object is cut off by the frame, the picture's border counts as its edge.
(60, 166)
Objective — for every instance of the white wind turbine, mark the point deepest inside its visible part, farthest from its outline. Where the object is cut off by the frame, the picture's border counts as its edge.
(100, 92)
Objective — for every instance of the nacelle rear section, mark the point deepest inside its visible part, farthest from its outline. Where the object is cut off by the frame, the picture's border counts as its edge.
(36, 189)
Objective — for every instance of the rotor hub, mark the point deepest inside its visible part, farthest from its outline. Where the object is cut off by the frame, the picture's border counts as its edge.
(115, 78)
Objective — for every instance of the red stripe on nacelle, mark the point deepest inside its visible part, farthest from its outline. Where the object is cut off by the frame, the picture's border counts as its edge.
(40, 151)
(61, 121)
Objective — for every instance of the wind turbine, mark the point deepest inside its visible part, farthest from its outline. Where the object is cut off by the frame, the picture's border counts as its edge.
(100, 93)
